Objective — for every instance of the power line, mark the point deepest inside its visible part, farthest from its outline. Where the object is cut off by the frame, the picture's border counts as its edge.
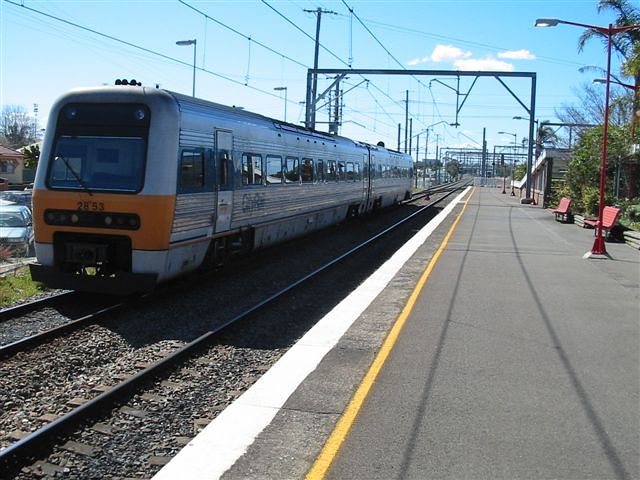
(372, 35)
(247, 37)
(398, 28)
(303, 32)
(138, 47)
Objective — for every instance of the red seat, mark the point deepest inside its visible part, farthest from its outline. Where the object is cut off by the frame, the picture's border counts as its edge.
(562, 211)
(609, 219)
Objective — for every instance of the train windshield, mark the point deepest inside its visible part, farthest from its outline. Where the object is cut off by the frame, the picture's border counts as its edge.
(98, 163)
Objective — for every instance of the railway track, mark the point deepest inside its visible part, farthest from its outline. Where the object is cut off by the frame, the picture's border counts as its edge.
(20, 452)
(98, 306)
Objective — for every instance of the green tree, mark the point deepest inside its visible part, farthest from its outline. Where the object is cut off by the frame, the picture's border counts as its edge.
(453, 169)
(627, 45)
(546, 135)
(17, 129)
(32, 155)
(583, 172)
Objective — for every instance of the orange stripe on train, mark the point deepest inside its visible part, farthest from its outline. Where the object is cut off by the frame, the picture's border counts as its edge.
(155, 212)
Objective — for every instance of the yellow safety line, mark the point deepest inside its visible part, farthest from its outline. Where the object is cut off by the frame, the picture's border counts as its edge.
(341, 430)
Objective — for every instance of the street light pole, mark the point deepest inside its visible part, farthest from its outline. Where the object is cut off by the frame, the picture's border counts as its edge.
(515, 149)
(193, 42)
(280, 89)
(598, 245)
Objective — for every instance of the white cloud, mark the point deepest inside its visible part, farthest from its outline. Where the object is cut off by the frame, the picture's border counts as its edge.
(442, 53)
(517, 55)
(417, 61)
(483, 64)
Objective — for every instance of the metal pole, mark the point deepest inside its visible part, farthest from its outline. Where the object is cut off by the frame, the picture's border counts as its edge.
(314, 89)
(193, 90)
(406, 120)
(532, 115)
(426, 157)
(410, 133)
(483, 167)
(598, 245)
(417, 157)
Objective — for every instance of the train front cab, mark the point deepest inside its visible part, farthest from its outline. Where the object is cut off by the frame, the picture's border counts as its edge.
(103, 205)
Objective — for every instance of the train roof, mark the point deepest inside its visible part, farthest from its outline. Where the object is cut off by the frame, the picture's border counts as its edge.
(196, 104)
(278, 124)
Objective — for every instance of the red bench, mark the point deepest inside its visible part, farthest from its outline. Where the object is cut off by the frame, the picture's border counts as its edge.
(609, 218)
(562, 211)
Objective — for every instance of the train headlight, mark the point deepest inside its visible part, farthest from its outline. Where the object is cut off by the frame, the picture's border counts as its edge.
(74, 218)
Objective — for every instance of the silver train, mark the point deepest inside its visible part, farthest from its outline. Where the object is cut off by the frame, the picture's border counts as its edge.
(136, 186)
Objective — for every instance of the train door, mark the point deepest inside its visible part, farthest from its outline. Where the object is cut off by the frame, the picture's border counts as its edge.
(369, 166)
(224, 167)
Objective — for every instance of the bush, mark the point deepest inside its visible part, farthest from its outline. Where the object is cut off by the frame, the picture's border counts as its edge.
(589, 201)
(630, 215)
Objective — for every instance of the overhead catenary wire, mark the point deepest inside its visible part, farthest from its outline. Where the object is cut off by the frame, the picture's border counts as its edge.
(374, 92)
(138, 47)
(289, 21)
(231, 29)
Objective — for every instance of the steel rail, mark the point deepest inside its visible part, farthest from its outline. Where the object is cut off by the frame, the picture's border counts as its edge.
(33, 444)
(11, 349)
(17, 310)
(23, 344)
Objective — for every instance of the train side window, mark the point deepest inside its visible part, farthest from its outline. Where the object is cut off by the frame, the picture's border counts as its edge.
(251, 169)
(342, 171)
(351, 176)
(191, 168)
(274, 169)
(320, 170)
(357, 174)
(306, 170)
(292, 172)
(331, 170)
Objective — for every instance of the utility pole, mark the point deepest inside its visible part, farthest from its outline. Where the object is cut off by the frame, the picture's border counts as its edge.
(410, 134)
(313, 91)
(406, 120)
(483, 167)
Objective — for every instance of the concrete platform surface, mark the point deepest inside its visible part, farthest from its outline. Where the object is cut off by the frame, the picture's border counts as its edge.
(520, 359)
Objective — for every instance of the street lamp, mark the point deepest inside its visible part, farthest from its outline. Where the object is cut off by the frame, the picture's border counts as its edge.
(598, 245)
(280, 89)
(625, 85)
(185, 43)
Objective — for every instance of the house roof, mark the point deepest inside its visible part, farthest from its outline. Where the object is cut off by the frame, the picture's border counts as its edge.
(7, 152)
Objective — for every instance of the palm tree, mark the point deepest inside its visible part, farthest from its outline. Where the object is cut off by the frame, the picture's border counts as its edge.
(627, 45)
(546, 135)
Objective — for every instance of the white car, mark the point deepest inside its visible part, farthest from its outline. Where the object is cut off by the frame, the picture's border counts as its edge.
(16, 229)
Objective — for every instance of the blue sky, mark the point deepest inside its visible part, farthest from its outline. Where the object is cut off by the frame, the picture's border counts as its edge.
(41, 57)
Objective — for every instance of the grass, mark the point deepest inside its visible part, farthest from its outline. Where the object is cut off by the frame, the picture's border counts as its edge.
(18, 286)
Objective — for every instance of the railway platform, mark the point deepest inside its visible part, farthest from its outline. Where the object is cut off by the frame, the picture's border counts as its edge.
(489, 348)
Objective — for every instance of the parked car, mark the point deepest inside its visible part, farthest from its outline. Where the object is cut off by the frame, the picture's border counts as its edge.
(16, 229)
(20, 197)
(4, 184)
